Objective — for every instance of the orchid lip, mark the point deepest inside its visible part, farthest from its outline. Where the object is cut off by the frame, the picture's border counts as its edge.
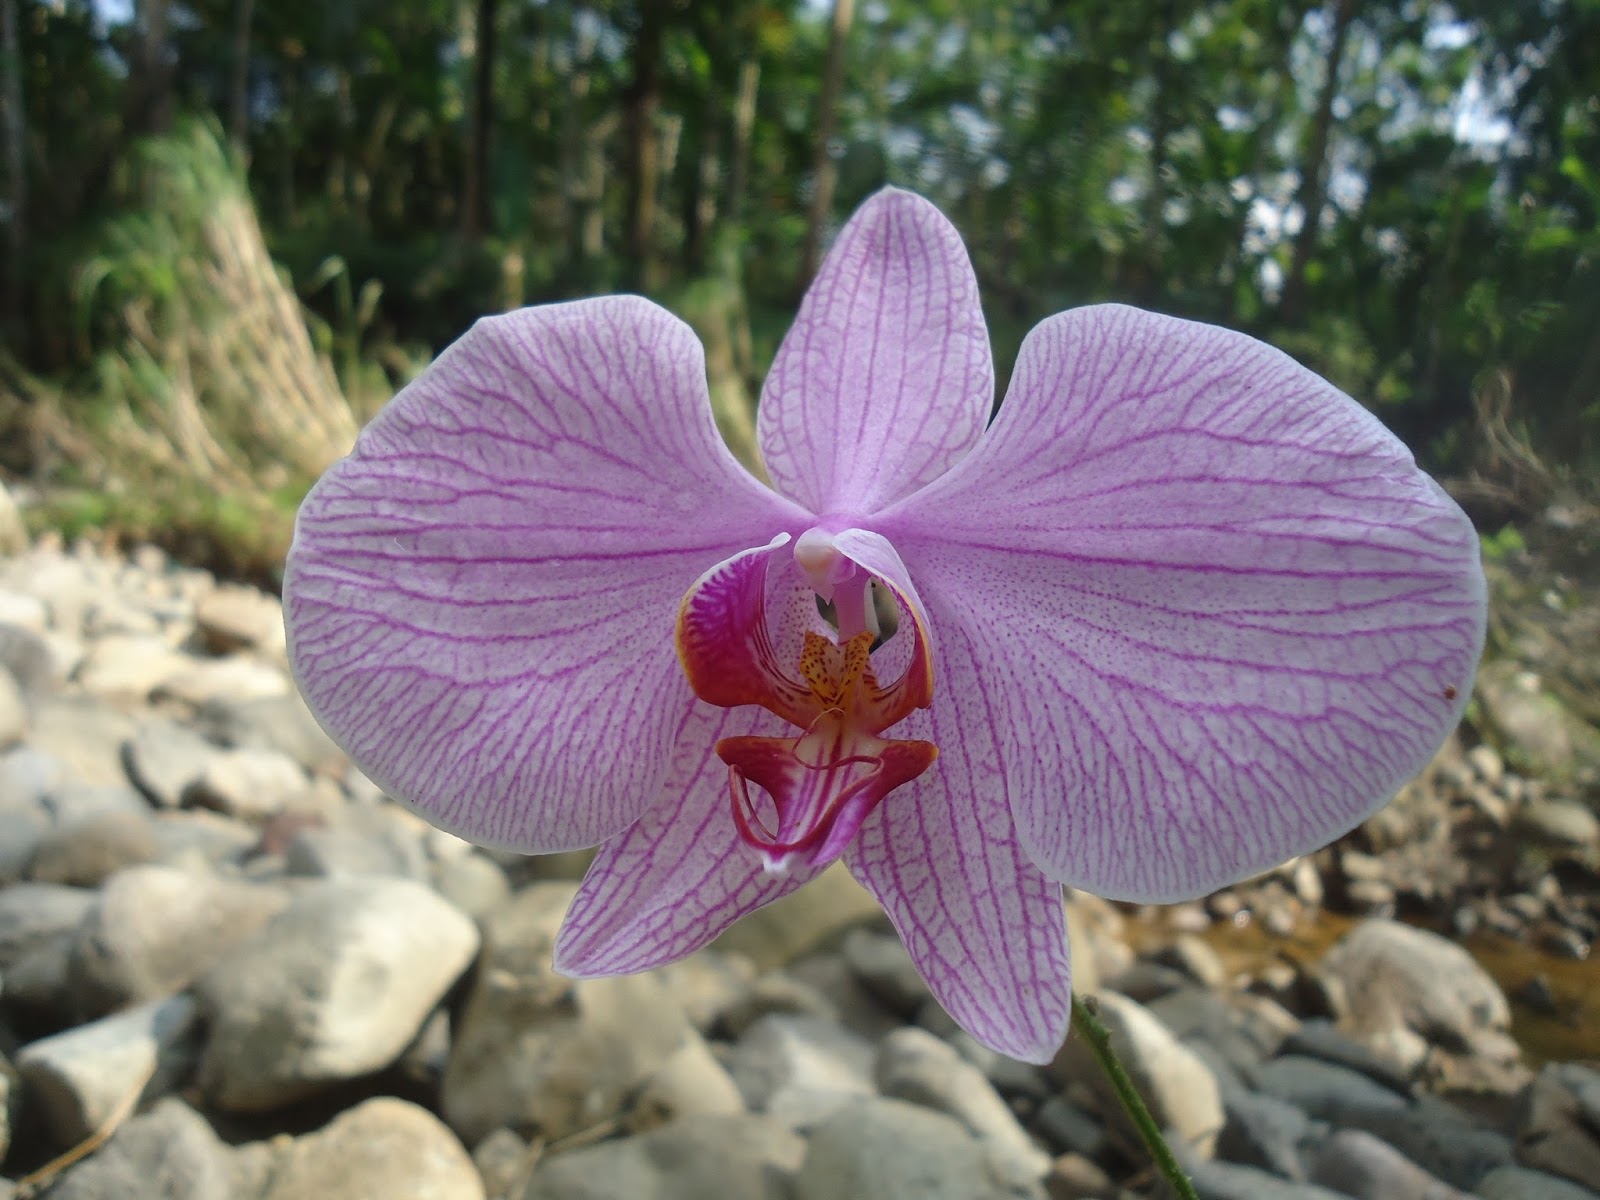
(815, 788)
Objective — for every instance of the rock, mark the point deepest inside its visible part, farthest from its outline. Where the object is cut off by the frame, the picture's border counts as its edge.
(890, 1150)
(21, 831)
(801, 1068)
(344, 853)
(1519, 1183)
(1195, 959)
(707, 984)
(695, 1158)
(1437, 1137)
(85, 735)
(544, 1054)
(691, 1082)
(13, 534)
(1357, 1164)
(88, 851)
(1065, 1126)
(154, 930)
(383, 1147)
(1408, 989)
(1243, 1029)
(248, 782)
(78, 1078)
(10, 1103)
(333, 988)
(1487, 764)
(280, 723)
(1561, 825)
(27, 776)
(1320, 1039)
(1074, 1177)
(199, 681)
(1262, 1131)
(1224, 1181)
(815, 916)
(164, 758)
(1558, 1122)
(34, 914)
(1540, 735)
(474, 883)
(1177, 1085)
(240, 618)
(1325, 1090)
(915, 1066)
(884, 967)
(15, 719)
(129, 666)
(168, 1153)
(504, 1162)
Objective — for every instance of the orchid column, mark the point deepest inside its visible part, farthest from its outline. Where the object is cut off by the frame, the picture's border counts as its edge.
(1182, 611)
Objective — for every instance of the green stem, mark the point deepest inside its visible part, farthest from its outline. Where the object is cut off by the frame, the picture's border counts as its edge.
(1098, 1038)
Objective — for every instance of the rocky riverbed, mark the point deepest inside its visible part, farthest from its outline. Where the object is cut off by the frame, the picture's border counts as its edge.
(229, 968)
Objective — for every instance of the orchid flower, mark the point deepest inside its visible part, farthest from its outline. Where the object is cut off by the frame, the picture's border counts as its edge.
(1182, 611)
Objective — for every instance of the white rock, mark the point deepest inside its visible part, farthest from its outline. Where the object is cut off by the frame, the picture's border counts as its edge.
(78, 1078)
(129, 666)
(234, 618)
(333, 988)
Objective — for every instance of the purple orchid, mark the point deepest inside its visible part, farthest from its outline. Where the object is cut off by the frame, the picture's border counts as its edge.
(1181, 612)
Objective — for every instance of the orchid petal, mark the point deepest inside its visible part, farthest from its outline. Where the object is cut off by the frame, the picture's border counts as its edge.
(681, 875)
(1216, 614)
(480, 598)
(984, 926)
(886, 378)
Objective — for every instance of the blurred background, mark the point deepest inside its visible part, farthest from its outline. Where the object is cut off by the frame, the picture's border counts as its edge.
(232, 229)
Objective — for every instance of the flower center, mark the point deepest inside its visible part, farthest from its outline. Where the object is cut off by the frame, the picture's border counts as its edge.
(799, 801)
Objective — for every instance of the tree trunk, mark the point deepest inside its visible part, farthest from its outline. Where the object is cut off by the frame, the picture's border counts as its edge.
(744, 124)
(644, 147)
(825, 171)
(1314, 168)
(147, 104)
(475, 215)
(239, 85)
(16, 173)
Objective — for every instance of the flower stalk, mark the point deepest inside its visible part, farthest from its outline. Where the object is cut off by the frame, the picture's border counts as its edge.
(1088, 1025)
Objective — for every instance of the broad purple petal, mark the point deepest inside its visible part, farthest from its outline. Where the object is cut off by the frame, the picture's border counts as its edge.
(480, 598)
(680, 876)
(1214, 612)
(886, 378)
(984, 925)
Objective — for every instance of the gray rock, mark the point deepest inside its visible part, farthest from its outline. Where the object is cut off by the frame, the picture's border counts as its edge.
(1408, 989)
(1558, 1122)
(474, 883)
(198, 681)
(15, 720)
(1437, 1137)
(164, 758)
(915, 1066)
(707, 985)
(383, 1147)
(34, 914)
(334, 987)
(1243, 1029)
(504, 1162)
(884, 967)
(1065, 1126)
(801, 1068)
(1177, 1085)
(1264, 1132)
(1560, 824)
(168, 1153)
(78, 1078)
(1320, 1039)
(1519, 1183)
(1196, 959)
(544, 1054)
(345, 853)
(695, 1158)
(198, 841)
(85, 735)
(86, 852)
(1324, 1089)
(691, 1082)
(1224, 1181)
(232, 617)
(281, 723)
(154, 930)
(249, 782)
(21, 831)
(1361, 1165)
(890, 1150)
(129, 666)
(28, 775)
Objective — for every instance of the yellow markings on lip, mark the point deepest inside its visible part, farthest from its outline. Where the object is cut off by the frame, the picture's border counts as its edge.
(834, 671)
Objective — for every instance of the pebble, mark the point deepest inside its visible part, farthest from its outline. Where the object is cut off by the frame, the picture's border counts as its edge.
(169, 1152)
(333, 988)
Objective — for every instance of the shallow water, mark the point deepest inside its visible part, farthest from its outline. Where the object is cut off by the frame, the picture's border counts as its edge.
(1570, 1031)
